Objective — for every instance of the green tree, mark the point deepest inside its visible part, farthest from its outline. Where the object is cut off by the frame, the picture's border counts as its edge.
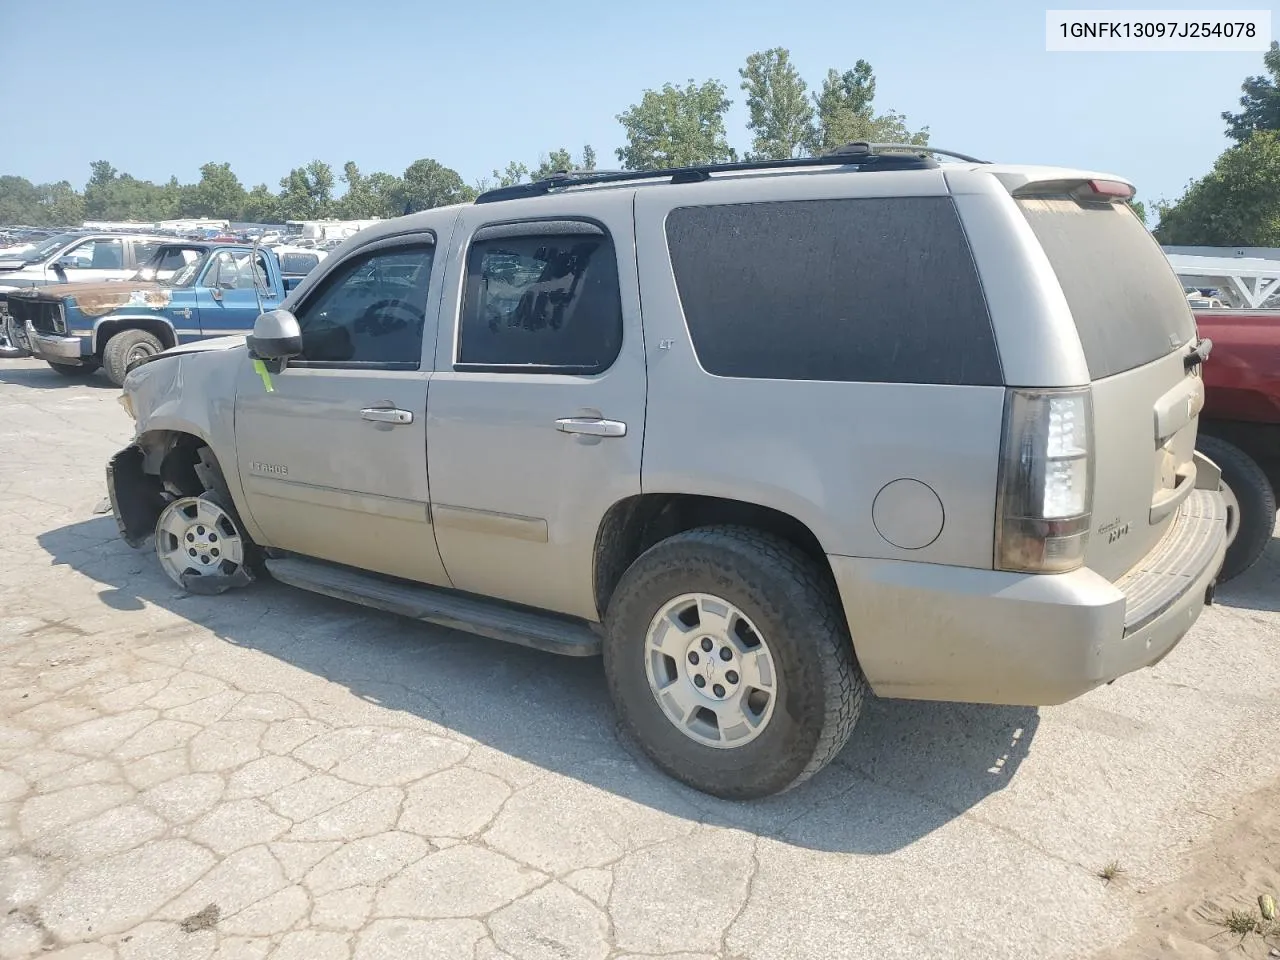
(1140, 209)
(387, 191)
(1236, 204)
(218, 193)
(359, 202)
(19, 201)
(261, 206)
(845, 114)
(781, 116)
(1261, 101)
(677, 127)
(561, 161)
(426, 184)
(513, 174)
(97, 192)
(306, 193)
(111, 195)
(60, 205)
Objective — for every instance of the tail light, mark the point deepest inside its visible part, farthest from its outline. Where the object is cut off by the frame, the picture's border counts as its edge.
(1045, 499)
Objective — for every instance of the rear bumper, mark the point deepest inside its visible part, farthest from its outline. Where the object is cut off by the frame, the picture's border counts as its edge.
(932, 632)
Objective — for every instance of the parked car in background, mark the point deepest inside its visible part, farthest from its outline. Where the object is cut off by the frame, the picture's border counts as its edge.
(1240, 423)
(299, 261)
(68, 258)
(78, 328)
(765, 435)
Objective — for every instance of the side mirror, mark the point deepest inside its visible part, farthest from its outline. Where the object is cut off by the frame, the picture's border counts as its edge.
(67, 263)
(276, 336)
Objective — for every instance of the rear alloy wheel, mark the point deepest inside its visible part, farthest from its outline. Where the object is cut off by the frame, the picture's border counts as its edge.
(1251, 504)
(74, 371)
(197, 538)
(127, 348)
(710, 671)
(730, 662)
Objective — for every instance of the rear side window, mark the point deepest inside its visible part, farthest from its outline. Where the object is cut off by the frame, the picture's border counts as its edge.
(876, 289)
(541, 303)
(1128, 306)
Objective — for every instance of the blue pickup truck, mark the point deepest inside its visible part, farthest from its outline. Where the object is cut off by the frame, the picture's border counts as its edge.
(214, 290)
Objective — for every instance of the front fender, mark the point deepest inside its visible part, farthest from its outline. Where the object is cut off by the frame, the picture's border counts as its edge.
(137, 497)
(194, 393)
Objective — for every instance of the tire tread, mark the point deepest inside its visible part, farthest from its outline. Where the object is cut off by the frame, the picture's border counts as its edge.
(738, 550)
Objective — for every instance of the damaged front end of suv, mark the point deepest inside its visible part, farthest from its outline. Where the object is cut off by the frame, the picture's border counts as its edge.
(166, 488)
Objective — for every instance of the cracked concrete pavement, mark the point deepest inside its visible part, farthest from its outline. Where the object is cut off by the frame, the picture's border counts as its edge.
(272, 774)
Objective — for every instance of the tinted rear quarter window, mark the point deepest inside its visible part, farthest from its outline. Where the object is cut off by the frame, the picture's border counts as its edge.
(1128, 306)
(875, 289)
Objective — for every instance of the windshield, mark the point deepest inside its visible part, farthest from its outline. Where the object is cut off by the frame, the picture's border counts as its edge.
(40, 250)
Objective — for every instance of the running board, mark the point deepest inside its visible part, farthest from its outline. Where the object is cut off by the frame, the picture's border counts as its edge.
(488, 618)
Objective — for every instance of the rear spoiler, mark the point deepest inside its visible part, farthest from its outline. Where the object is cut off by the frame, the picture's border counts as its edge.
(1082, 190)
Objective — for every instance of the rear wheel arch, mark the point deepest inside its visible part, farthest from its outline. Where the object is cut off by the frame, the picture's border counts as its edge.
(635, 524)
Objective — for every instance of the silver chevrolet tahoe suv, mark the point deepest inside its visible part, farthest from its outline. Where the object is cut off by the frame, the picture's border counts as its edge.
(766, 435)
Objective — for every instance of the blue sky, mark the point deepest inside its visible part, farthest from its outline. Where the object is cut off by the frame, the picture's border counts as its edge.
(160, 89)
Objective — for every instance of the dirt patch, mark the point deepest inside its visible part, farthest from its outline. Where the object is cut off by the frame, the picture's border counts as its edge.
(1212, 910)
(206, 919)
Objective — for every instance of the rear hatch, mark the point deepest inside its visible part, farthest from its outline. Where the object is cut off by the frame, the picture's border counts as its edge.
(1137, 330)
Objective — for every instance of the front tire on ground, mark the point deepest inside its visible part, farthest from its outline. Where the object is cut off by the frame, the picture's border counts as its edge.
(125, 348)
(780, 688)
(74, 371)
(200, 545)
(1250, 496)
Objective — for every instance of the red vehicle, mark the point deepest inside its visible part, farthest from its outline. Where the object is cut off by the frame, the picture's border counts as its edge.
(1240, 424)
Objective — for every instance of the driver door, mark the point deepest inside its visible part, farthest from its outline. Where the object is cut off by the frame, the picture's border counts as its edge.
(226, 296)
(334, 460)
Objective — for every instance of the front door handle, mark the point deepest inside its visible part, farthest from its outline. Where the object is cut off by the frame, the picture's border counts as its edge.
(592, 426)
(387, 415)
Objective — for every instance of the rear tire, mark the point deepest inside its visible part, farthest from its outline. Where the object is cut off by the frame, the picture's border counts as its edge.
(75, 371)
(125, 348)
(786, 614)
(1253, 499)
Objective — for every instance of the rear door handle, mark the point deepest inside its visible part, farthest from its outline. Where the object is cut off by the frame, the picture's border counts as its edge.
(386, 415)
(592, 426)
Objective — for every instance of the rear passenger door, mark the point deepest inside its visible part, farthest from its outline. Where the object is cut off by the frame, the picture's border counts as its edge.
(535, 418)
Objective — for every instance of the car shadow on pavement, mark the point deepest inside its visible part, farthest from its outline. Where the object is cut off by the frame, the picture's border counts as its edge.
(45, 378)
(910, 767)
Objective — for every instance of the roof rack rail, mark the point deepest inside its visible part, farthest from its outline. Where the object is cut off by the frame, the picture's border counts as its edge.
(864, 156)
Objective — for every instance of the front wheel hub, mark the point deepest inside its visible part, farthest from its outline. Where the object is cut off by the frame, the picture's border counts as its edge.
(710, 670)
(196, 537)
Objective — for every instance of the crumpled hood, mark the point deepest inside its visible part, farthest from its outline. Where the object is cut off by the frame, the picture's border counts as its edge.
(203, 346)
(98, 299)
(197, 346)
